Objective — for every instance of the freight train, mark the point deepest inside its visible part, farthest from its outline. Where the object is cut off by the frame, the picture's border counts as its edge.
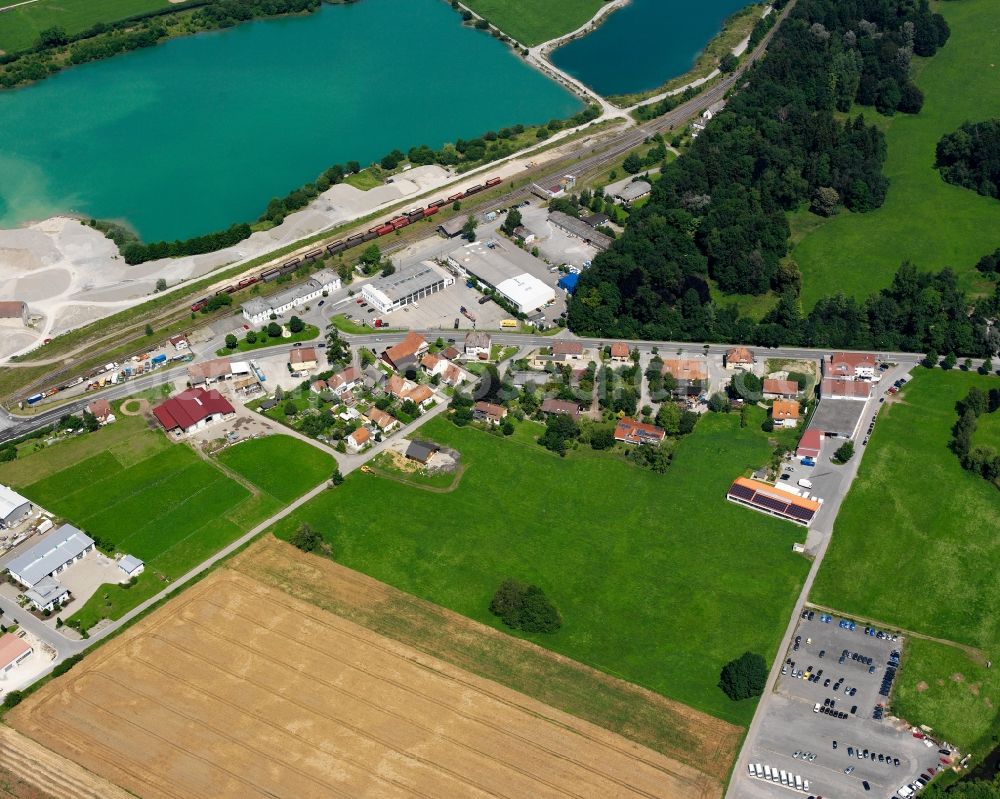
(401, 221)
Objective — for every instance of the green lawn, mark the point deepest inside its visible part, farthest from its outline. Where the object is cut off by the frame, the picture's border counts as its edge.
(988, 430)
(916, 545)
(157, 500)
(924, 219)
(531, 22)
(308, 333)
(19, 27)
(284, 467)
(656, 575)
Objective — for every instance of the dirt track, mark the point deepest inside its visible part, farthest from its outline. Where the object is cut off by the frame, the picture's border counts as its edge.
(237, 689)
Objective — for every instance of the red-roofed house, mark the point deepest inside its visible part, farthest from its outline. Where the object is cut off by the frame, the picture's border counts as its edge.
(785, 413)
(421, 395)
(318, 386)
(833, 388)
(487, 411)
(302, 358)
(386, 421)
(632, 431)
(344, 380)
(620, 352)
(567, 350)
(739, 358)
(810, 443)
(780, 389)
(356, 441)
(850, 366)
(407, 353)
(101, 411)
(192, 410)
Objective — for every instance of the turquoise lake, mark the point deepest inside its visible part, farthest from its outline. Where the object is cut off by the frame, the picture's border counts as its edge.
(644, 44)
(200, 132)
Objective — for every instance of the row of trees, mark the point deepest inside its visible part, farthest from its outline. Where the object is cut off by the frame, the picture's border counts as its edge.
(970, 157)
(720, 210)
(979, 458)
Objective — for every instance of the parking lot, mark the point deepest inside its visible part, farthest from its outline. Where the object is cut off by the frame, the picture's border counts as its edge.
(822, 724)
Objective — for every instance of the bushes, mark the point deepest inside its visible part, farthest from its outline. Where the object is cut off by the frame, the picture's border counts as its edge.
(983, 460)
(744, 677)
(970, 157)
(525, 608)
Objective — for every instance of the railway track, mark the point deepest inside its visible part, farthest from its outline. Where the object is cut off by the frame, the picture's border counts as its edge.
(615, 147)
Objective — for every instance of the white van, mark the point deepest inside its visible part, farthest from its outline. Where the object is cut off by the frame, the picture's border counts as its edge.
(750, 768)
(784, 777)
(767, 772)
(759, 769)
(805, 786)
(798, 782)
(805, 483)
(905, 791)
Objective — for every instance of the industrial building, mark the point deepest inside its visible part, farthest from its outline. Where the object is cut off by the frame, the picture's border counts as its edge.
(507, 270)
(405, 287)
(13, 651)
(580, 229)
(50, 556)
(633, 191)
(13, 507)
(259, 309)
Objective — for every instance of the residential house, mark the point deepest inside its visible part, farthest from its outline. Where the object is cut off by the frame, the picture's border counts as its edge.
(13, 652)
(101, 410)
(318, 386)
(407, 353)
(433, 364)
(620, 352)
(192, 410)
(208, 372)
(385, 422)
(345, 380)
(740, 358)
(565, 407)
(564, 351)
(453, 376)
(785, 413)
(449, 353)
(488, 412)
(302, 358)
(357, 440)
(179, 343)
(780, 389)
(850, 366)
(477, 345)
(47, 594)
(421, 395)
(399, 387)
(632, 431)
(691, 375)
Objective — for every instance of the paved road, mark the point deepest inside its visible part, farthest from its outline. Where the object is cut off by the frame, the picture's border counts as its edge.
(819, 537)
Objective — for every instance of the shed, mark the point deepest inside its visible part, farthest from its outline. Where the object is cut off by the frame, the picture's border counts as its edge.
(421, 451)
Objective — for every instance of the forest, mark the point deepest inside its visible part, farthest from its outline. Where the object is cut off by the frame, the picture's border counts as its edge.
(786, 140)
(970, 157)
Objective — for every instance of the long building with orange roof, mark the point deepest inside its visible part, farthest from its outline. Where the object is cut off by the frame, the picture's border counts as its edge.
(773, 501)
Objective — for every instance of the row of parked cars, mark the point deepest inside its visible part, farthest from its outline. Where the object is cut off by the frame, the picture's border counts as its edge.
(780, 776)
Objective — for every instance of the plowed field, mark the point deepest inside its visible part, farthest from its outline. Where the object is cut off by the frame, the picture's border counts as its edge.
(237, 689)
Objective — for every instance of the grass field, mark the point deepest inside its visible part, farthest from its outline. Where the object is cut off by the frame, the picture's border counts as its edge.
(915, 545)
(655, 575)
(19, 27)
(925, 220)
(284, 467)
(988, 430)
(308, 333)
(531, 22)
(159, 501)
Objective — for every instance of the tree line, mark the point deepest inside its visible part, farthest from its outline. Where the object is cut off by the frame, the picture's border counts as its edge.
(970, 157)
(979, 458)
(720, 210)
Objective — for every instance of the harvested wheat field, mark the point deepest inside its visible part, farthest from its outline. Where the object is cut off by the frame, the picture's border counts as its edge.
(238, 689)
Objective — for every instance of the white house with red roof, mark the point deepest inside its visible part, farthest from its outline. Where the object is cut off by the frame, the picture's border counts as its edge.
(192, 410)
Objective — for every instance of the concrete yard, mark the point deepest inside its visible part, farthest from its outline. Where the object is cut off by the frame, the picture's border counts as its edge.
(790, 724)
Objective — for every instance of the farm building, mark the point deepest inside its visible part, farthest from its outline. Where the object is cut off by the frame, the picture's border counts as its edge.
(772, 501)
(407, 353)
(101, 411)
(192, 410)
(51, 556)
(477, 344)
(785, 413)
(740, 358)
(131, 566)
(13, 507)
(259, 309)
(632, 431)
(13, 652)
(302, 358)
(406, 286)
(580, 229)
(13, 313)
(780, 389)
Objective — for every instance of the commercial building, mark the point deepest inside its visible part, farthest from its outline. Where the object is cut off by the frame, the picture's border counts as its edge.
(51, 556)
(192, 410)
(631, 192)
(13, 652)
(453, 226)
(632, 431)
(835, 388)
(47, 594)
(388, 294)
(580, 229)
(259, 309)
(13, 313)
(568, 282)
(13, 507)
(478, 344)
(767, 499)
(850, 366)
(780, 389)
(207, 372)
(507, 269)
(407, 353)
(302, 358)
(810, 443)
